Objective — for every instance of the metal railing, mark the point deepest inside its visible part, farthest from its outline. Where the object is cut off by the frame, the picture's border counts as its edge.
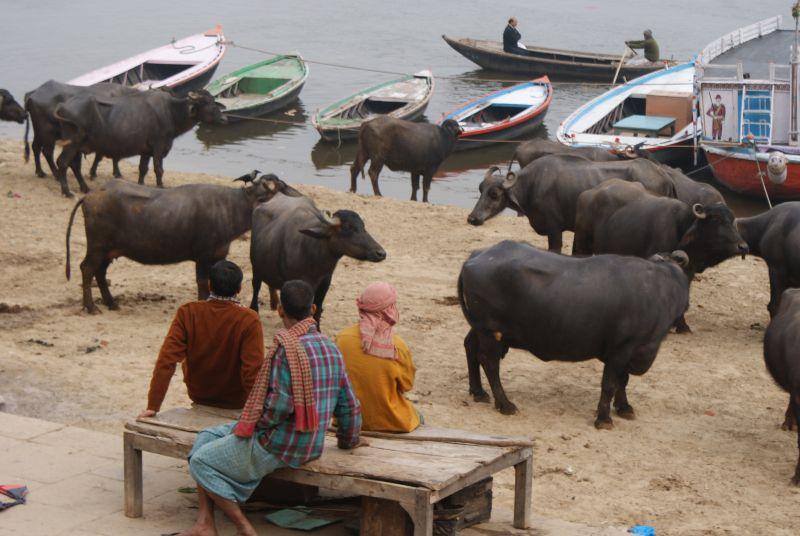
(738, 37)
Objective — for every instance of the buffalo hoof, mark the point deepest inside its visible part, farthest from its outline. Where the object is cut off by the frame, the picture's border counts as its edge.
(482, 397)
(92, 176)
(507, 409)
(41, 174)
(68, 194)
(788, 425)
(117, 175)
(796, 479)
(604, 424)
(626, 413)
(94, 311)
(113, 307)
(84, 189)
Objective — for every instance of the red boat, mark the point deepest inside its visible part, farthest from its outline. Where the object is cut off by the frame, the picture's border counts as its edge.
(509, 114)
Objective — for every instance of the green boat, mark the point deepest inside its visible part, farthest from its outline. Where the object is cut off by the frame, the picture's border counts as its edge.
(260, 88)
(403, 98)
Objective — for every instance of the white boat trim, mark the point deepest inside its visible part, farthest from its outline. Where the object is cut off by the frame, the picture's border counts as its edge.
(200, 51)
(737, 37)
(677, 79)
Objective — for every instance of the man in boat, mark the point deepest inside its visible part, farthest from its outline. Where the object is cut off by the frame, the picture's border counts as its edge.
(511, 37)
(717, 114)
(379, 363)
(300, 387)
(649, 44)
(219, 343)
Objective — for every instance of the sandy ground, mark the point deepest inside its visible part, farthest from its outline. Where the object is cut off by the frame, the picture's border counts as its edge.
(706, 455)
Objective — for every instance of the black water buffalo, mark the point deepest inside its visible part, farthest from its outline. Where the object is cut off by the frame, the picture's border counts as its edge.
(293, 239)
(143, 124)
(533, 150)
(623, 218)
(41, 104)
(781, 343)
(559, 308)
(418, 148)
(10, 110)
(547, 190)
(193, 222)
(775, 237)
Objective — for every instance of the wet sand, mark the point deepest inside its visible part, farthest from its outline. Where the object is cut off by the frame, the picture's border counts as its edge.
(705, 456)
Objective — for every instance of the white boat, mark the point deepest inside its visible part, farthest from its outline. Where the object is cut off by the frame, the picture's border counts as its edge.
(181, 65)
(653, 112)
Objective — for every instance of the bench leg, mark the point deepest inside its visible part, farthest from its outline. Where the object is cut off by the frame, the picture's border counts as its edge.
(423, 515)
(523, 482)
(133, 478)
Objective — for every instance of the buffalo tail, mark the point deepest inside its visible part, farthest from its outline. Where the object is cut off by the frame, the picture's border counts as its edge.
(69, 231)
(27, 147)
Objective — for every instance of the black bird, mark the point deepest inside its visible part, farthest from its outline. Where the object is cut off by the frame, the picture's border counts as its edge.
(250, 177)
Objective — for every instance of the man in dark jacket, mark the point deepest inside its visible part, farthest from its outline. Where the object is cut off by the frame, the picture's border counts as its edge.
(511, 37)
(648, 44)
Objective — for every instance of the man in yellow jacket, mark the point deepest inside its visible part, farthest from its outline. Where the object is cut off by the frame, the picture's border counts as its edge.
(379, 363)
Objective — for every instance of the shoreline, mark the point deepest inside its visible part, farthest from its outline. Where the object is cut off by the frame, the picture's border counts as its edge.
(705, 456)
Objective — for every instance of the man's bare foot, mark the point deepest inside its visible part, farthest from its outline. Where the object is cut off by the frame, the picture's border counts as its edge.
(200, 530)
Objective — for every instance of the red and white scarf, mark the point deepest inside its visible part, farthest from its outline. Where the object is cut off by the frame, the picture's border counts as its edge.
(305, 408)
(377, 311)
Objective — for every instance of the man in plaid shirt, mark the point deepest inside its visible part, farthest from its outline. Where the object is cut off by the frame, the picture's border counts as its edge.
(302, 385)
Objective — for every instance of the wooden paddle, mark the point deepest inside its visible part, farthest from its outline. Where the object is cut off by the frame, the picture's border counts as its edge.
(621, 61)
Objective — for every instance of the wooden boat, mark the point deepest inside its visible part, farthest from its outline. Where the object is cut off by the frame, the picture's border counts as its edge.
(182, 65)
(510, 113)
(553, 62)
(654, 112)
(260, 88)
(403, 98)
(743, 86)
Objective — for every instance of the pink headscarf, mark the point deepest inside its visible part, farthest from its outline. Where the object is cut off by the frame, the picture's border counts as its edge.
(377, 311)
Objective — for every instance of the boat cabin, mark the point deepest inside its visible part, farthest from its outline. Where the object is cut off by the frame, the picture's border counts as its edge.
(743, 85)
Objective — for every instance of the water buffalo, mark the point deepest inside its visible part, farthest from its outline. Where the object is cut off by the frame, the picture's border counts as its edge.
(532, 150)
(293, 239)
(143, 124)
(41, 105)
(193, 222)
(623, 218)
(775, 237)
(781, 341)
(10, 110)
(401, 145)
(617, 309)
(547, 190)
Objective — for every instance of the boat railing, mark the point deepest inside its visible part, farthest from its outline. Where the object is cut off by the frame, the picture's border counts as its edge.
(738, 37)
(715, 72)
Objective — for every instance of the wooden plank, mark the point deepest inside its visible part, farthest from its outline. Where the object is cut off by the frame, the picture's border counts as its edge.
(441, 450)
(523, 483)
(158, 445)
(504, 462)
(134, 490)
(346, 484)
(382, 517)
(423, 515)
(446, 435)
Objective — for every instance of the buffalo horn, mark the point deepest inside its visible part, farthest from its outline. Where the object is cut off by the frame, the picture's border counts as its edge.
(511, 179)
(491, 171)
(699, 211)
(680, 257)
(327, 218)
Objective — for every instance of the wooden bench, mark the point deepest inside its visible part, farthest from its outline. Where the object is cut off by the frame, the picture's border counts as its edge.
(414, 470)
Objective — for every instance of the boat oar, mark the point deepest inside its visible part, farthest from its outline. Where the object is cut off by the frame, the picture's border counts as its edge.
(621, 61)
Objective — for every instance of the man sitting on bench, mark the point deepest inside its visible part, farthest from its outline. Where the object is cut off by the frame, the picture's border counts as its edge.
(219, 343)
(301, 385)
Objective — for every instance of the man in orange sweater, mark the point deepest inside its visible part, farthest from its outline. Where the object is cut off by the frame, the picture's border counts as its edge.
(379, 363)
(219, 344)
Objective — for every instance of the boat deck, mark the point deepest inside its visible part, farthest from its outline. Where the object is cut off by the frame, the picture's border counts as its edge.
(755, 55)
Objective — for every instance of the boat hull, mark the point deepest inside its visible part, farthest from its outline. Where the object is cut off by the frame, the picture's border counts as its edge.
(556, 69)
(739, 172)
(267, 107)
(339, 134)
(515, 133)
(198, 82)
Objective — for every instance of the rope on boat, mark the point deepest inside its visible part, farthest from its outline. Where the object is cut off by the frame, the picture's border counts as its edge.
(443, 77)
(760, 173)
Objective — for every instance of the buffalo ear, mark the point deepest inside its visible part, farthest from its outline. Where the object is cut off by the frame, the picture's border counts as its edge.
(271, 186)
(699, 211)
(511, 180)
(320, 231)
(680, 258)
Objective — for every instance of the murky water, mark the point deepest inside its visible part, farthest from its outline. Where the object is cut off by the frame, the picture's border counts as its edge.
(52, 39)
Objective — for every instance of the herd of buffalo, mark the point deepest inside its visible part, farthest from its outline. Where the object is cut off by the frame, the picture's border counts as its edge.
(640, 228)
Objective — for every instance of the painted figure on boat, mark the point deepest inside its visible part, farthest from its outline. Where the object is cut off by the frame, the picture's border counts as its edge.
(511, 38)
(649, 44)
(717, 114)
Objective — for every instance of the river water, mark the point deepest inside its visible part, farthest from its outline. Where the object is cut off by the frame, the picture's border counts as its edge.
(53, 39)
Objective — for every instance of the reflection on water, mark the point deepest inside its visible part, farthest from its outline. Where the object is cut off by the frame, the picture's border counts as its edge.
(45, 41)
